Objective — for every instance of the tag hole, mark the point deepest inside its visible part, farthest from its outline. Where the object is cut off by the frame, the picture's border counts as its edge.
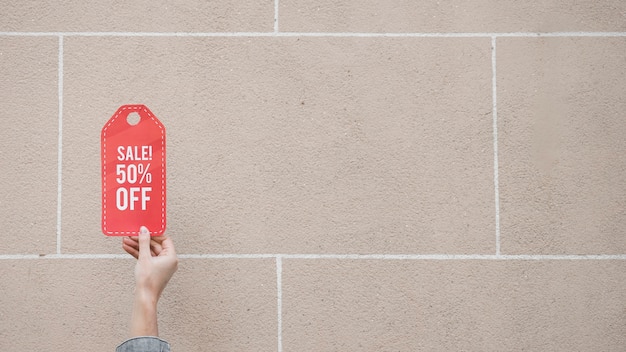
(133, 118)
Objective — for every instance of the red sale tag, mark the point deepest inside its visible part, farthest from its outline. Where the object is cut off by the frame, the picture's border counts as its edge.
(133, 172)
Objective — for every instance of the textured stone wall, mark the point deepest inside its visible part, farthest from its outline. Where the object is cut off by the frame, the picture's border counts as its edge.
(342, 175)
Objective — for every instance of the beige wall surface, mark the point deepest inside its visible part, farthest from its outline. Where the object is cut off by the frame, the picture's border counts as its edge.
(342, 175)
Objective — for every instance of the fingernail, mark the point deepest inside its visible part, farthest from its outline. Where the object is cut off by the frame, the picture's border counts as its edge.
(143, 230)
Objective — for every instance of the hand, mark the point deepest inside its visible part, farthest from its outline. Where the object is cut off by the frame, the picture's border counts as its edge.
(156, 263)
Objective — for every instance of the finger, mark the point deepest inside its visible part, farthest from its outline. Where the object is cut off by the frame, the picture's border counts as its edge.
(156, 247)
(131, 250)
(155, 244)
(144, 243)
(168, 246)
(158, 239)
(131, 243)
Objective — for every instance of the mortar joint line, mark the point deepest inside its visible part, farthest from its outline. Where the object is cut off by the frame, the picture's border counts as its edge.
(494, 113)
(279, 258)
(279, 302)
(60, 143)
(275, 32)
(276, 16)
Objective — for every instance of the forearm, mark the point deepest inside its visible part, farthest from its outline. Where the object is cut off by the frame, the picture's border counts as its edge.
(144, 316)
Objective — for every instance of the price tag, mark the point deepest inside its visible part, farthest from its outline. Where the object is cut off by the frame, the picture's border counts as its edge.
(133, 172)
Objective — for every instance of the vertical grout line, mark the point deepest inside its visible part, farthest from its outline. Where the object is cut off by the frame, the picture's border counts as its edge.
(279, 300)
(275, 16)
(494, 110)
(60, 143)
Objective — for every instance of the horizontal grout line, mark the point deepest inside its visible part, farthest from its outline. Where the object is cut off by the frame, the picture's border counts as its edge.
(318, 34)
(228, 256)
(454, 257)
(454, 35)
(63, 256)
(336, 256)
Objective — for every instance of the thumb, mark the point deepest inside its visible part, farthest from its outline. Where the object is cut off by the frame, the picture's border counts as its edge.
(144, 242)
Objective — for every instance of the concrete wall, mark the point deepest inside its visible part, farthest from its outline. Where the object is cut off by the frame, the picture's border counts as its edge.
(342, 175)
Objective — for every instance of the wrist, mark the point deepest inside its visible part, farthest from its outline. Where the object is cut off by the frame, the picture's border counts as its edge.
(144, 317)
(146, 297)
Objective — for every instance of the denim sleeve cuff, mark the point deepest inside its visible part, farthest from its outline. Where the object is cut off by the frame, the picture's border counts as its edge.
(144, 344)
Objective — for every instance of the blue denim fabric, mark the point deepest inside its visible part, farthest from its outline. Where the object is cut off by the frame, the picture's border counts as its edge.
(144, 344)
